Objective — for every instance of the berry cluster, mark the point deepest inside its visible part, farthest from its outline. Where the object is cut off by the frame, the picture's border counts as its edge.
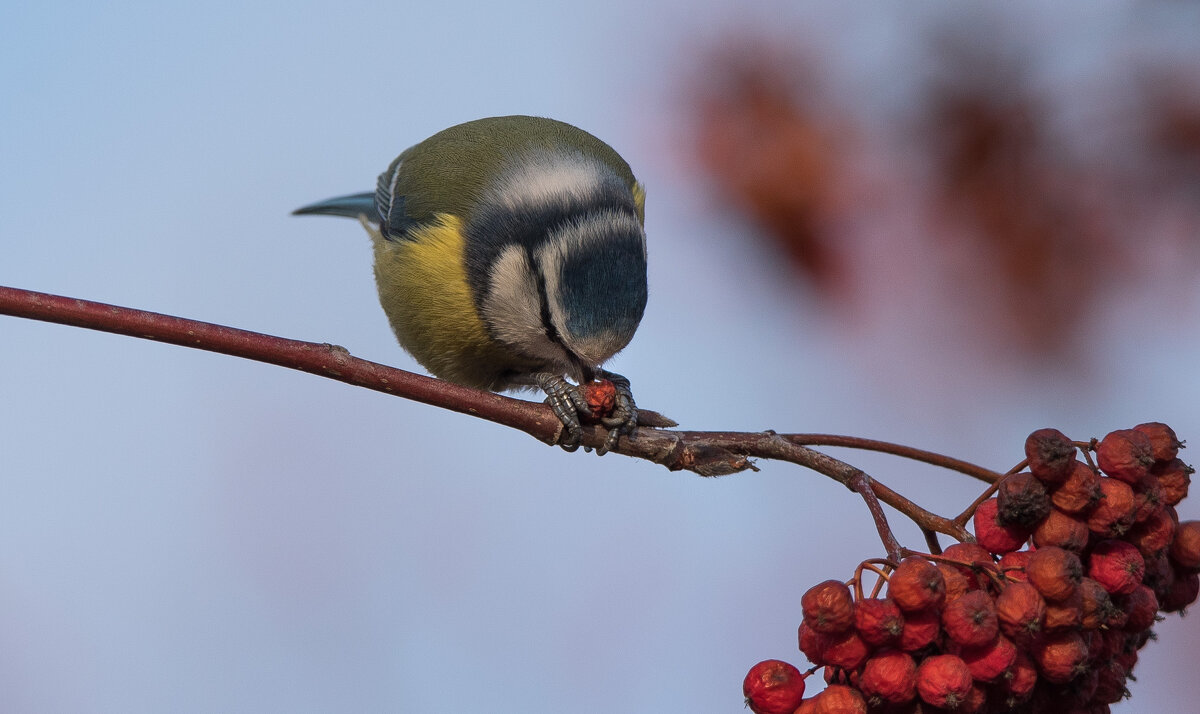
(1046, 612)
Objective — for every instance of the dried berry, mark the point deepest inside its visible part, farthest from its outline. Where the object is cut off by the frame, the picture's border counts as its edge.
(1185, 547)
(994, 536)
(972, 560)
(1060, 657)
(1013, 564)
(1050, 454)
(878, 621)
(601, 397)
(1113, 514)
(1054, 572)
(1183, 592)
(916, 585)
(1022, 676)
(990, 662)
(889, 677)
(1079, 492)
(839, 699)
(1065, 614)
(1097, 604)
(1061, 530)
(1117, 566)
(813, 644)
(1022, 500)
(1164, 444)
(921, 628)
(944, 681)
(846, 650)
(970, 619)
(773, 687)
(828, 607)
(1021, 610)
(1154, 534)
(1140, 608)
(1174, 477)
(1125, 454)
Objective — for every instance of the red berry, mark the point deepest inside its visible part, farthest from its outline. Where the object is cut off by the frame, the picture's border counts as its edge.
(1183, 592)
(1050, 454)
(1060, 657)
(1185, 547)
(846, 650)
(1125, 454)
(1097, 605)
(813, 644)
(878, 621)
(828, 607)
(1054, 572)
(889, 677)
(1117, 566)
(1140, 607)
(970, 619)
(916, 584)
(1022, 677)
(601, 396)
(993, 536)
(1065, 614)
(1022, 500)
(921, 628)
(1155, 534)
(944, 681)
(773, 687)
(1164, 444)
(972, 560)
(1013, 565)
(1061, 530)
(839, 699)
(1021, 611)
(989, 662)
(1113, 514)
(1079, 492)
(1174, 476)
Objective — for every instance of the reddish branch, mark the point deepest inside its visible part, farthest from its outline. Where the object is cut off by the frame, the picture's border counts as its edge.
(704, 453)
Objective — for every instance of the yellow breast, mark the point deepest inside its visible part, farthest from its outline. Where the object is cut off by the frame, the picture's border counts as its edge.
(424, 292)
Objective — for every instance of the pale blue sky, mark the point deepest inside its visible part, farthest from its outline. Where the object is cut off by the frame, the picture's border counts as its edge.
(189, 532)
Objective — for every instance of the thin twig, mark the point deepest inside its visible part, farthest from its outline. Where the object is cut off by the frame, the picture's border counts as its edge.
(908, 452)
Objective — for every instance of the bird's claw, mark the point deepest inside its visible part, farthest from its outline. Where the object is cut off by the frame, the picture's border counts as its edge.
(568, 401)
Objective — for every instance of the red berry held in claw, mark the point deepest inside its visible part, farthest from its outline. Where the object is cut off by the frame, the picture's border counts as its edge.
(773, 687)
(601, 397)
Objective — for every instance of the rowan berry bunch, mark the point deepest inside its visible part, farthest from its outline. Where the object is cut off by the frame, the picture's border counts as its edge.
(1074, 560)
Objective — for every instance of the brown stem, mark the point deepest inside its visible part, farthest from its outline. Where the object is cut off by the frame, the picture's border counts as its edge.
(908, 452)
(704, 453)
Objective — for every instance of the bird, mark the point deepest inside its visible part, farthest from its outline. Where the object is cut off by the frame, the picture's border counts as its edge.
(510, 253)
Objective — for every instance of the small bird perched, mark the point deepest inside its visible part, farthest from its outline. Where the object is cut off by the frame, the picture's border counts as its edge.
(510, 253)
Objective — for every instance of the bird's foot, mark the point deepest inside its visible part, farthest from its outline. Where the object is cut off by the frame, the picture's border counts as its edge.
(616, 410)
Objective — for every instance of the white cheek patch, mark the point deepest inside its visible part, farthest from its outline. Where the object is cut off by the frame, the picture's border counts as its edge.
(512, 308)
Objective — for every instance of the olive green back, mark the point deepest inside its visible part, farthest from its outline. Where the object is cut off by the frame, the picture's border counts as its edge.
(447, 172)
